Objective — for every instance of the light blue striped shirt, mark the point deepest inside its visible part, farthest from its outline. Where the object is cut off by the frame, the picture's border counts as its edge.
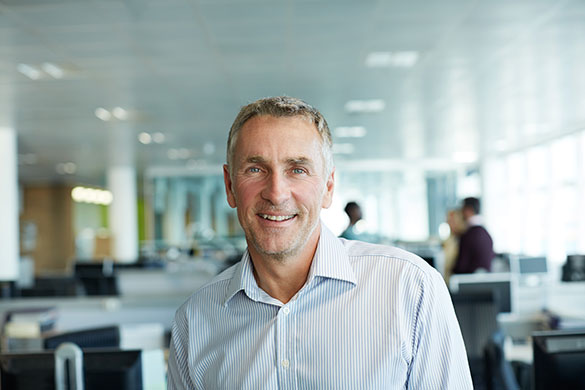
(368, 317)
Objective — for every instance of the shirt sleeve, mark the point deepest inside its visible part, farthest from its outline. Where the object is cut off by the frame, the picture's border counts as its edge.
(178, 377)
(439, 359)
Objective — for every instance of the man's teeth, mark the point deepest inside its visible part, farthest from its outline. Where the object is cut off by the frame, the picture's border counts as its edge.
(276, 217)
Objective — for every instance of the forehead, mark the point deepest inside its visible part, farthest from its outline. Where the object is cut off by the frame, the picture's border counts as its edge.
(268, 134)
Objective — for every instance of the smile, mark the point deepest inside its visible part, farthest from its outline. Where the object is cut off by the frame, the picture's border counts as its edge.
(277, 218)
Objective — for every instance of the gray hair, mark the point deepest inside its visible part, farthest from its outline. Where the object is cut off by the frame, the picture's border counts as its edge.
(282, 106)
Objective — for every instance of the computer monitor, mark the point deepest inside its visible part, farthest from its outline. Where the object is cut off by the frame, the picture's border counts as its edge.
(103, 369)
(105, 337)
(574, 269)
(529, 265)
(559, 360)
(482, 286)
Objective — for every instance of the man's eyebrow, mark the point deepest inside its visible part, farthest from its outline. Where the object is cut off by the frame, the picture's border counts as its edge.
(255, 160)
(299, 161)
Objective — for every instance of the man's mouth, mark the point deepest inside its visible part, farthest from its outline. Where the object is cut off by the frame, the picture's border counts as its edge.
(277, 218)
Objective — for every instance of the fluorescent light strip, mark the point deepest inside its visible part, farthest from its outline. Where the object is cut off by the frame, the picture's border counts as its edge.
(350, 132)
(365, 106)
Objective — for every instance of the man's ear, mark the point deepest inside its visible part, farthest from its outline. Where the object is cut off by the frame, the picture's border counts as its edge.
(229, 186)
(329, 184)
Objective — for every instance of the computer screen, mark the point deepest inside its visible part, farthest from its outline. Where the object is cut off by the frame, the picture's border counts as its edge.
(494, 286)
(559, 360)
(531, 265)
(103, 369)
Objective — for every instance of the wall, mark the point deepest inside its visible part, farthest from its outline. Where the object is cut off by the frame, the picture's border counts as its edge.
(49, 209)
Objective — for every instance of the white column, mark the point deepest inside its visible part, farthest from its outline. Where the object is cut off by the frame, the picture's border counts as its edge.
(175, 213)
(9, 250)
(123, 219)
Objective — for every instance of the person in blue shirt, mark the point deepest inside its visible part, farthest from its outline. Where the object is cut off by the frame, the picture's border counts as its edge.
(354, 213)
(304, 309)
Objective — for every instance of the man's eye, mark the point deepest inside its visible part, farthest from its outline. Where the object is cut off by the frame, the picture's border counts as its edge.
(298, 170)
(253, 170)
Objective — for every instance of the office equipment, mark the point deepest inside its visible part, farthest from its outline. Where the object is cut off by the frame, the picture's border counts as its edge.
(104, 369)
(98, 278)
(497, 285)
(559, 360)
(529, 265)
(574, 269)
(105, 337)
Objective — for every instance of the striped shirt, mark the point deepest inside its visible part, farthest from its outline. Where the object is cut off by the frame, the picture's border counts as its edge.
(368, 317)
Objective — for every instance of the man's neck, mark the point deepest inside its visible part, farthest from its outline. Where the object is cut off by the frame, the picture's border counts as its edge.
(282, 278)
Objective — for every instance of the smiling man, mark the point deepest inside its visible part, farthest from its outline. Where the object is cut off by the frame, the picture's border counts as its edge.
(304, 309)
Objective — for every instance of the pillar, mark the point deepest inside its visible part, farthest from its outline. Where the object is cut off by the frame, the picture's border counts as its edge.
(9, 247)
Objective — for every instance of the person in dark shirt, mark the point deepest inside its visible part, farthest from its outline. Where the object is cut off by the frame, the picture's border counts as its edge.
(476, 248)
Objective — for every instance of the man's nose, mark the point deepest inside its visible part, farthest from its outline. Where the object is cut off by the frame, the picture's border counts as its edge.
(277, 189)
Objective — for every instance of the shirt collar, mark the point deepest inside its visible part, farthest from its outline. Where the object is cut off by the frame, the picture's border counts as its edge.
(331, 261)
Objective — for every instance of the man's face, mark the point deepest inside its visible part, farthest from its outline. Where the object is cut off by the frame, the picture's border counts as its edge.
(278, 184)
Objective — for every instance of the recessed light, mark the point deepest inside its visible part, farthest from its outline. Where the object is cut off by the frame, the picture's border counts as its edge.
(365, 106)
(53, 70)
(120, 113)
(29, 71)
(350, 131)
(144, 138)
(386, 59)
(158, 138)
(68, 168)
(103, 114)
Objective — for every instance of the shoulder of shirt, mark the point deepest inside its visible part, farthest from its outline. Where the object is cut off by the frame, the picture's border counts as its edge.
(363, 251)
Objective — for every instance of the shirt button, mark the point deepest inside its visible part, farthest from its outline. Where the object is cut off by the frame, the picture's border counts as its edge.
(285, 363)
(286, 310)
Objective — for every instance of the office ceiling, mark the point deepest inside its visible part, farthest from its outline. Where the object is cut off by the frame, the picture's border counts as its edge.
(458, 79)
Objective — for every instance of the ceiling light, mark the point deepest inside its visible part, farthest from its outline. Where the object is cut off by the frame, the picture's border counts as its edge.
(91, 195)
(365, 106)
(465, 157)
(158, 138)
(53, 70)
(350, 131)
(144, 138)
(386, 59)
(29, 71)
(103, 114)
(68, 168)
(343, 148)
(120, 113)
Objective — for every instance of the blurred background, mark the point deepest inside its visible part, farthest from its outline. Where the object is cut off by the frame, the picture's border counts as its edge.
(114, 118)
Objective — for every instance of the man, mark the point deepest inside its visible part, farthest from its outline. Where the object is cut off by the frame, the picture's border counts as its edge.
(354, 212)
(304, 309)
(476, 248)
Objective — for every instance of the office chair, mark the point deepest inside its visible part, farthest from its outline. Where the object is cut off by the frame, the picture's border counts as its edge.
(499, 374)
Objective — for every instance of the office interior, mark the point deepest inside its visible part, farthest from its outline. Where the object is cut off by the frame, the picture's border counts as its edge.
(113, 123)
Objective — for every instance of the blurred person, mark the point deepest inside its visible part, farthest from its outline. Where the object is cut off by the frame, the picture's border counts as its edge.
(303, 308)
(451, 244)
(476, 248)
(354, 212)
